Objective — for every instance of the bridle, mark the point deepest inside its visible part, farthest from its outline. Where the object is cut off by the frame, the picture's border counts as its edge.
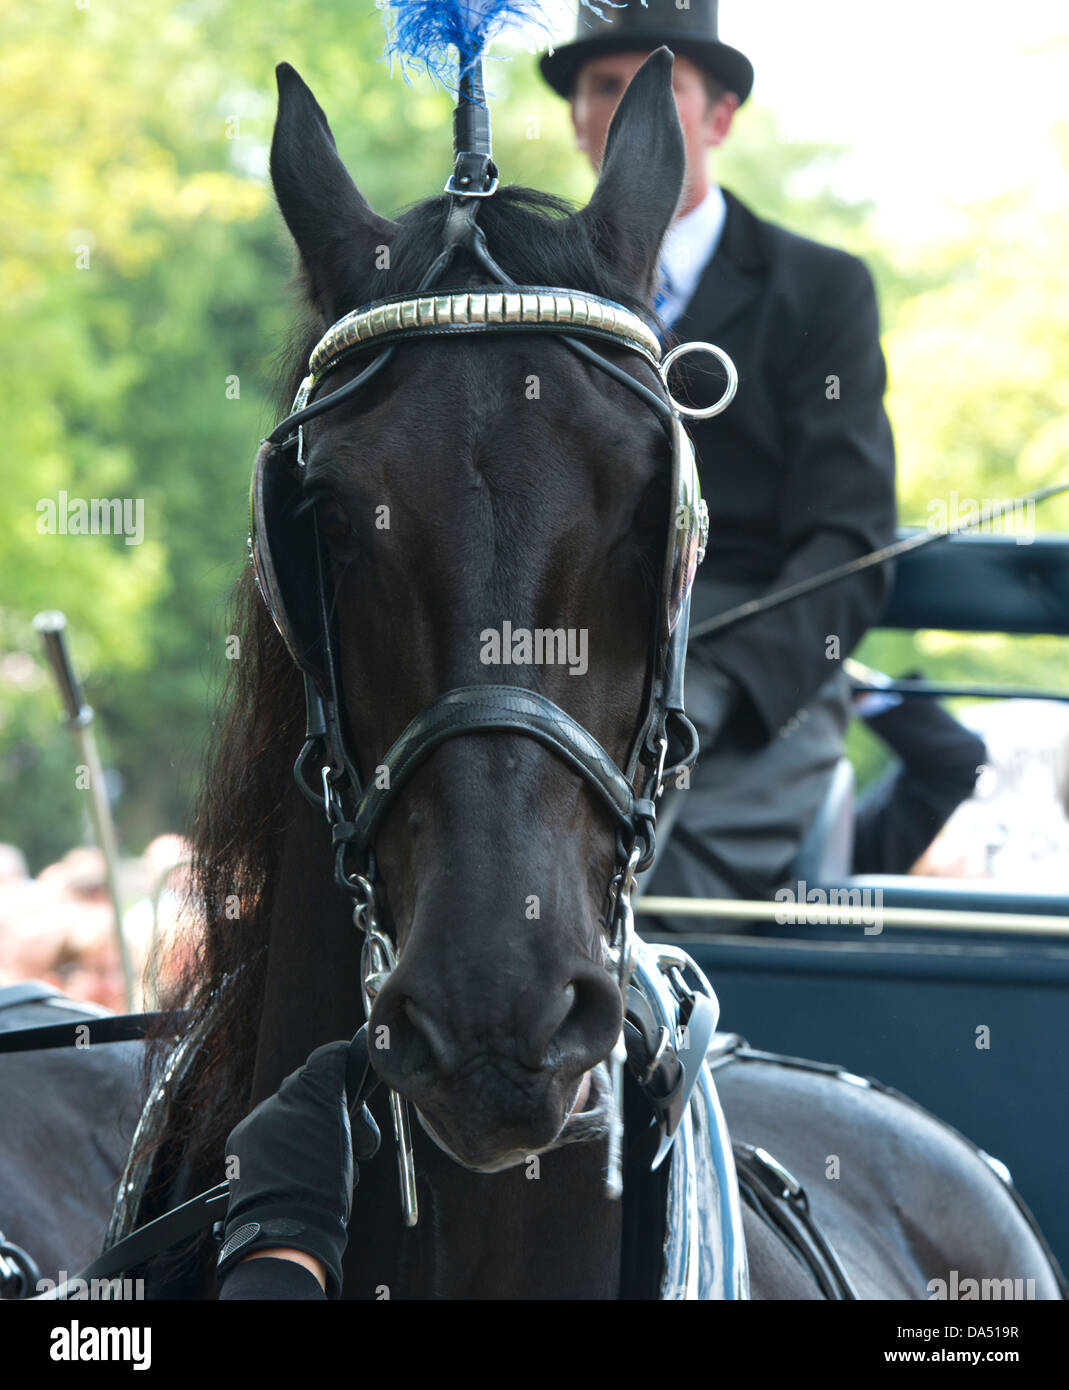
(286, 548)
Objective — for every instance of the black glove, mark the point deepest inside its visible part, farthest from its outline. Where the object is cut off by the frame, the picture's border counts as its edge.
(295, 1165)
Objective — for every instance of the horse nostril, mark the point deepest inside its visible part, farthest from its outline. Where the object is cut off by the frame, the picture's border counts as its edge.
(436, 1044)
(586, 1020)
(546, 1026)
(400, 1045)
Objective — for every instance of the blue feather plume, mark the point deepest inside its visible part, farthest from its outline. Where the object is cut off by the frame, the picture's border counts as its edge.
(421, 33)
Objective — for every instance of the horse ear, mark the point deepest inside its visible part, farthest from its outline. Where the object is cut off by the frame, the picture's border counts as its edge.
(338, 235)
(641, 175)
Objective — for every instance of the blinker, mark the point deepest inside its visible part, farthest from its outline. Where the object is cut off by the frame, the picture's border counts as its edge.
(689, 526)
(282, 548)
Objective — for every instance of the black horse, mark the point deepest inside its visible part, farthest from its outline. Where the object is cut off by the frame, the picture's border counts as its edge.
(475, 484)
(66, 1121)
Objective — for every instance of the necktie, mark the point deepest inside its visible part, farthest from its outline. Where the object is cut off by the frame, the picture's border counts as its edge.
(665, 294)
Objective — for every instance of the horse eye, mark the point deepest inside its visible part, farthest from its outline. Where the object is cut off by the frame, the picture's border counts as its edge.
(333, 522)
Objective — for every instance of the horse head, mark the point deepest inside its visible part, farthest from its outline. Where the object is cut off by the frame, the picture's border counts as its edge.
(491, 510)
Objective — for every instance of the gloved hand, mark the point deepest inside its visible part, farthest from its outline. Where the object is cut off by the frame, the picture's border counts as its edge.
(295, 1165)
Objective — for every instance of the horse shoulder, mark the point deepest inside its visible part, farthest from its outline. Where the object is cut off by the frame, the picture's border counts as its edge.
(68, 1115)
(903, 1197)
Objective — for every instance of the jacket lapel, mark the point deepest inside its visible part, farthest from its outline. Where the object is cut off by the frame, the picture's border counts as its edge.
(730, 280)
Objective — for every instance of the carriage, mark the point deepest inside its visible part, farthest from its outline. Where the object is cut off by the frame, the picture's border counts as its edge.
(904, 1005)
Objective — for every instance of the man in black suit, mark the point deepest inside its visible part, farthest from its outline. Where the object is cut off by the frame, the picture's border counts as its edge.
(798, 472)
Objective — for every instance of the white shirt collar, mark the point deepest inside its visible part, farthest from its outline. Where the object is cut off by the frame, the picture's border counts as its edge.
(689, 245)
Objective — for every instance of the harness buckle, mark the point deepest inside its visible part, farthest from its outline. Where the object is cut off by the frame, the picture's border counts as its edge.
(645, 814)
(378, 961)
(332, 807)
(19, 1274)
(792, 1188)
(658, 1052)
(468, 183)
(659, 774)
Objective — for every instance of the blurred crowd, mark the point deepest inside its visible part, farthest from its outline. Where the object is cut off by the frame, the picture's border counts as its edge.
(60, 926)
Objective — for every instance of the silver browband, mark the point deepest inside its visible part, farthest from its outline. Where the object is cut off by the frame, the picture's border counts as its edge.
(524, 306)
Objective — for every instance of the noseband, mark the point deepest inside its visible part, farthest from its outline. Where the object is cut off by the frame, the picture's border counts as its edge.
(285, 545)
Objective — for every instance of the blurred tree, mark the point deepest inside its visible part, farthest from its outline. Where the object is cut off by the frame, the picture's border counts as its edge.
(979, 399)
(145, 306)
(122, 275)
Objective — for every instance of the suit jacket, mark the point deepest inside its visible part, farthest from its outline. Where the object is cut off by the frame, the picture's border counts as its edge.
(798, 472)
(901, 814)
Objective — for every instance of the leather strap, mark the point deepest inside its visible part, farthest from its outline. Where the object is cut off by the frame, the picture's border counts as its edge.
(483, 708)
(653, 1060)
(25, 992)
(667, 1072)
(776, 1196)
(119, 1028)
(155, 1237)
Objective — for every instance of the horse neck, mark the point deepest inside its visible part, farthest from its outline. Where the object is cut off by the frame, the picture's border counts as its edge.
(532, 1232)
(540, 1230)
(312, 985)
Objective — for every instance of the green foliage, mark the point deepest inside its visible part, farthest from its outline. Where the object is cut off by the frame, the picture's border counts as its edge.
(42, 809)
(143, 289)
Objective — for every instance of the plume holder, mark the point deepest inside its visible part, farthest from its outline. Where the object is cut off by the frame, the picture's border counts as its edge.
(474, 171)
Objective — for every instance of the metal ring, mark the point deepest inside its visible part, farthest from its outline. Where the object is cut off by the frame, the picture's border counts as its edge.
(659, 789)
(378, 960)
(725, 361)
(19, 1275)
(328, 799)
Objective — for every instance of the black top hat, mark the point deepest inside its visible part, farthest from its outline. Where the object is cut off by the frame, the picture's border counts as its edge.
(689, 31)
